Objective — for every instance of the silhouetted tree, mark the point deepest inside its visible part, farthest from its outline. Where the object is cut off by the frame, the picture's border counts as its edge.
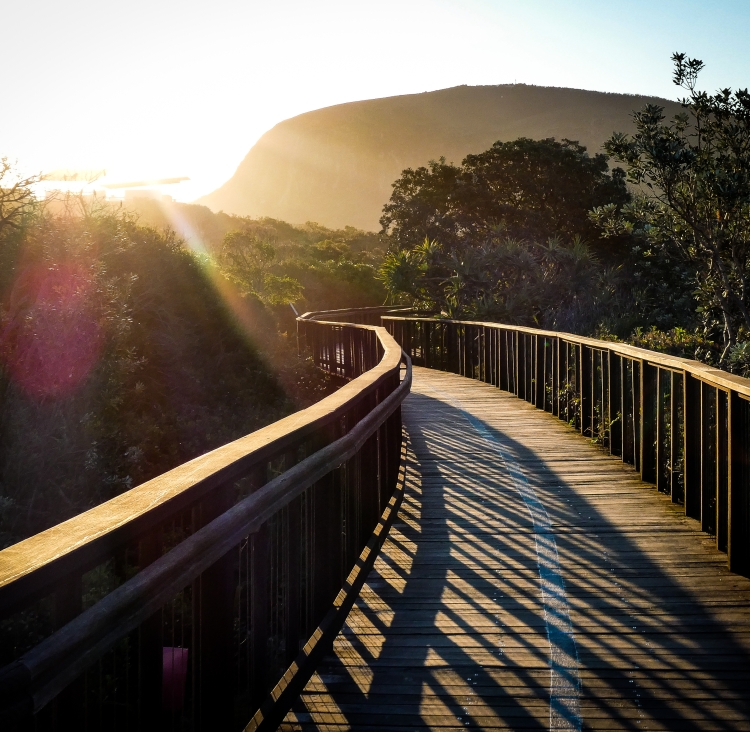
(693, 214)
(524, 189)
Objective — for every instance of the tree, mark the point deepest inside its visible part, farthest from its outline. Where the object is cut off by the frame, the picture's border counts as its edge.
(17, 199)
(693, 211)
(248, 260)
(524, 189)
(549, 285)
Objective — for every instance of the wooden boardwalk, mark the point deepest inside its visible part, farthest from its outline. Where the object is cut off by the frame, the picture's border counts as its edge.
(531, 581)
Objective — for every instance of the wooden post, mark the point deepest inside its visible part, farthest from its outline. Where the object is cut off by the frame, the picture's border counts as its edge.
(293, 559)
(675, 442)
(738, 519)
(216, 586)
(540, 372)
(708, 458)
(614, 404)
(692, 445)
(663, 481)
(586, 379)
(649, 385)
(722, 469)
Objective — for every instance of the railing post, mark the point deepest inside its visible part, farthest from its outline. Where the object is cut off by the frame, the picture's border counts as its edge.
(504, 360)
(539, 371)
(738, 546)
(649, 379)
(426, 350)
(676, 439)
(629, 412)
(485, 371)
(150, 654)
(662, 480)
(708, 458)
(293, 560)
(585, 389)
(69, 705)
(722, 469)
(556, 377)
(614, 404)
(260, 575)
(216, 628)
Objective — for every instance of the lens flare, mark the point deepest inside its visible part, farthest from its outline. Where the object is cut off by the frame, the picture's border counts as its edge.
(51, 337)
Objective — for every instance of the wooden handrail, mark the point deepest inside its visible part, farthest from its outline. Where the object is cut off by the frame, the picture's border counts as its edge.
(346, 431)
(62, 657)
(28, 567)
(709, 374)
(684, 426)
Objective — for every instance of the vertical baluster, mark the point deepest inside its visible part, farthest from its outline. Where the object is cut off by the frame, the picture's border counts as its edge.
(708, 453)
(677, 438)
(662, 484)
(70, 704)
(628, 413)
(649, 399)
(293, 558)
(216, 589)
(722, 470)
(637, 413)
(539, 380)
(614, 408)
(738, 520)
(150, 656)
(585, 389)
(502, 359)
(596, 379)
(567, 384)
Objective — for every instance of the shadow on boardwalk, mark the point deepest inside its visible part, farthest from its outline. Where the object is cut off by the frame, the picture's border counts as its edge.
(450, 631)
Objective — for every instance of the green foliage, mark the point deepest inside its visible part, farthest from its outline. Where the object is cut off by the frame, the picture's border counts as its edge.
(549, 285)
(524, 189)
(122, 355)
(693, 214)
(676, 342)
(502, 236)
(335, 272)
(739, 358)
(248, 259)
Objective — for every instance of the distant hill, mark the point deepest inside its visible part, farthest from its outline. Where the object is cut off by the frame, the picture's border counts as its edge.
(336, 165)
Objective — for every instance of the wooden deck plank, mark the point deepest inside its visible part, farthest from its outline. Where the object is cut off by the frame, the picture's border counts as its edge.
(450, 631)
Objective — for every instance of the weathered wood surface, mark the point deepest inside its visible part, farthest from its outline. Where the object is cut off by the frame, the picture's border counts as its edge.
(453, 630)
(88, 538)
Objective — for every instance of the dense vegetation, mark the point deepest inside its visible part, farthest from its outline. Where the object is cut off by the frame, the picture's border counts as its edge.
(133, 339)
(123, 352)
(540, 233)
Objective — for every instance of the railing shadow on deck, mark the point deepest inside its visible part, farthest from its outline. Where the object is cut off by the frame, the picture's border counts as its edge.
(494, 570)
(181, 603)
(683, 425)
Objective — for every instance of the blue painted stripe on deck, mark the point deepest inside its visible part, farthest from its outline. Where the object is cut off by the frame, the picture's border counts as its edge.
(565, 682)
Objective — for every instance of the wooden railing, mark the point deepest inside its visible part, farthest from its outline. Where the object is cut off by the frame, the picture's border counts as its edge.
(186, 601)
(683, 425)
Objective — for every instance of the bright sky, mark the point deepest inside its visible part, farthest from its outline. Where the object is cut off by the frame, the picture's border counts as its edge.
(161, 88)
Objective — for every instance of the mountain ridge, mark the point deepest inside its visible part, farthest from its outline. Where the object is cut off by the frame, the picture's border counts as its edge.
(336, 165)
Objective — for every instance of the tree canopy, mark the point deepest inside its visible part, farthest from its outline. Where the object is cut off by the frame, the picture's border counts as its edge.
(523, 189)
(692, 216)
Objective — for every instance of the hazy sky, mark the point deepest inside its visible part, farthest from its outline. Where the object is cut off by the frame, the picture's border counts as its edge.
(149, 88)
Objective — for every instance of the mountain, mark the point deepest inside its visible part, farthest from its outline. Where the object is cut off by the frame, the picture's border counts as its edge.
(336, 165)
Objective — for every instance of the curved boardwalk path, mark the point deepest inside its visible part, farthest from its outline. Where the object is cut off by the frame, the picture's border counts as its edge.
(532, 582)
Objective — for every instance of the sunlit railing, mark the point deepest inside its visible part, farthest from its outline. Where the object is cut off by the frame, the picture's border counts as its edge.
(683, 425)
(182, 603)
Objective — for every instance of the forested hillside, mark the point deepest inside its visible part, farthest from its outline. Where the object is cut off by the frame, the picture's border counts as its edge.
(336, 165)
(125, 352)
